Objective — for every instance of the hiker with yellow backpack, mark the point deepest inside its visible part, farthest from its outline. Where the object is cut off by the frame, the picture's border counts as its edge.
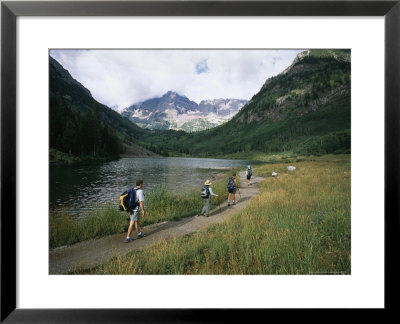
(132, 201)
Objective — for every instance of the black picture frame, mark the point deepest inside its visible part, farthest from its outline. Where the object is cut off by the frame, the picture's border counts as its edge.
(10, 10)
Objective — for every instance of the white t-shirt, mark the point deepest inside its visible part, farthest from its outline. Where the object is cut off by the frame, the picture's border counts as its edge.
(139, 197)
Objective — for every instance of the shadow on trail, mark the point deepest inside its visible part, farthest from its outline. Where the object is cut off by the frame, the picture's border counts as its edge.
(169, 224)
(243, 199)
(219, 210)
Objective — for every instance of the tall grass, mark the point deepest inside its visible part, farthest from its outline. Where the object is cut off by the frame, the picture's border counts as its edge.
(162, 204)
(105, 220)
(298, 224)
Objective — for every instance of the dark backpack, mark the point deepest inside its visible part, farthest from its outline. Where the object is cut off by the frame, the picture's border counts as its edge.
(205, 192)
(231, 183)
(249, 172)
(127, 200)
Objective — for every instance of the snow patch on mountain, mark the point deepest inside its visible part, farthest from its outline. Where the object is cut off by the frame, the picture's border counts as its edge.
(173, 111)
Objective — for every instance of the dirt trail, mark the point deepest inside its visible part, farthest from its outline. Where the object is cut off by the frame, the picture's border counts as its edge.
(92, 253)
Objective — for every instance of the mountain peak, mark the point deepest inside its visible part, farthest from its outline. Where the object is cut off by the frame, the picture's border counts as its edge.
(341, 55)
(297, 59)
(172, 94)
(174, 111)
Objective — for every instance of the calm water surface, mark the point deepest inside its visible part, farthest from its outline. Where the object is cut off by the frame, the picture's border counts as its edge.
(77, 189)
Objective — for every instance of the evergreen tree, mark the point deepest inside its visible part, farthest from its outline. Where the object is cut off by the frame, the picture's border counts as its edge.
(88, 134)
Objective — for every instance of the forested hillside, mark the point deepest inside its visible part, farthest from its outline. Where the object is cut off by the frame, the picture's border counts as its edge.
(305, 109)
(82, 127)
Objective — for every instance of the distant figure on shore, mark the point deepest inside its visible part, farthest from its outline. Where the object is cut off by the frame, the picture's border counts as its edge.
(206, 193)
(232, 185)
(134, 213)
(248, 175)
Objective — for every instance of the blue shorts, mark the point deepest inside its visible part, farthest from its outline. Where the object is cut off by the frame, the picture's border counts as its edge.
(134, 215)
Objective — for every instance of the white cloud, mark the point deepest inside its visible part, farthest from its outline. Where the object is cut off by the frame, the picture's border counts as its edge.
(124, 77)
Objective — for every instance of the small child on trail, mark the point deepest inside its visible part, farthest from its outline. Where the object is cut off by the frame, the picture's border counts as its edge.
(206, 193)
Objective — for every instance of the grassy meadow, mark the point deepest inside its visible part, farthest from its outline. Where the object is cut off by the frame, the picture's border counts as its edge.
(298, 224)
(163, 205)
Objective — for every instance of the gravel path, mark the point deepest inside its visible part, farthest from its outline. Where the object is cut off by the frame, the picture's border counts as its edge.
(92, 253)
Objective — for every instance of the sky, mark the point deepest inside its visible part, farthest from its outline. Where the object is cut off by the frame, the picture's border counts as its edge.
(124, 77)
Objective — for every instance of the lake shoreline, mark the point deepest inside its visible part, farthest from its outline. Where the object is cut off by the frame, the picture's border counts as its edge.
(161, 205)
(94, 252)
(77, 187)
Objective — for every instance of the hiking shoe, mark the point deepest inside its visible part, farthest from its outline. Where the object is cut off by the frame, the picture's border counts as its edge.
(128, 239)
(141, 235)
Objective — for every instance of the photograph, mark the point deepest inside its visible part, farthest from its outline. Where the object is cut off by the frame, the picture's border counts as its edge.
(200, 161)
(197, 161)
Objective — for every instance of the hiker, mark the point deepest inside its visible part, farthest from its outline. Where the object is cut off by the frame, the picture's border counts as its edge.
(134, 214)
(206, 193)
(248, 175)
(232, 185)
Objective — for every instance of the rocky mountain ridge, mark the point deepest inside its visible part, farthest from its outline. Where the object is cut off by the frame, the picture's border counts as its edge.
(174, 111)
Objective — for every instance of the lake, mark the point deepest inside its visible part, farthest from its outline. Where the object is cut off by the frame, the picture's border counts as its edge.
(78, 189)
